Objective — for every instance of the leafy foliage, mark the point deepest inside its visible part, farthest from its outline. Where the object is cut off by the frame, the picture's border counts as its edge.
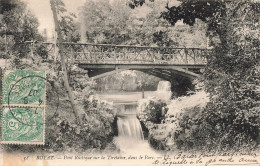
(182, 127)
(68, 27)
(62, 133)
(104, 22)
(152, 113)
(231, 118)
(94, 133)
(136, 3)
(116, 23)
(189, 11)
(152, 109)
(229, 121)
(232, 78)
(6, 5)
(18, 26)
(191, 130)
(127, 81)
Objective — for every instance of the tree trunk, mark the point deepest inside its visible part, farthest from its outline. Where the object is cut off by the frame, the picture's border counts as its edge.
(64, 69)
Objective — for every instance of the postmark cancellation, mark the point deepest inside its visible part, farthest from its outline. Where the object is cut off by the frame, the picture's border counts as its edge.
(23, 107)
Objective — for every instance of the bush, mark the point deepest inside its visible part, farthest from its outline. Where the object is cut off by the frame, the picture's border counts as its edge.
(152, 113)
(96, 130)
(94, 134)
(190, 134)
(152, 109)
(182, 126)
(232, 78)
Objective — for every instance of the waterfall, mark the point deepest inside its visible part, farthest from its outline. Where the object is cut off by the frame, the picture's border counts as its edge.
(130, 137)
(164, 90)
(129, 126)
(164, 86)
(127, 123)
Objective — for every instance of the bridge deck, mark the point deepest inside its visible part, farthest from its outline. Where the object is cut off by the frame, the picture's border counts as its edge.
(138, 66)
(87, 53)
(163, 62)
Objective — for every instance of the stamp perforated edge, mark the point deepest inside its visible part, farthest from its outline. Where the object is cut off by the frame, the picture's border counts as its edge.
(21, 143)
(2, 105)
(24, 142)
(24, 105)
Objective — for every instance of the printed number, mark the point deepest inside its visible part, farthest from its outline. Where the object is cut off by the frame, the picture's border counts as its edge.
(26, 100)
(33, 92)
(40, 102)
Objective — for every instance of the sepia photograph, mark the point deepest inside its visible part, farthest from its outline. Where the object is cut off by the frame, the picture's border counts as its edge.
(129, 82)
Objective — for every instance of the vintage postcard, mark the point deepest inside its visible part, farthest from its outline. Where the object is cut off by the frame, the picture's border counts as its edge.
(129, 82)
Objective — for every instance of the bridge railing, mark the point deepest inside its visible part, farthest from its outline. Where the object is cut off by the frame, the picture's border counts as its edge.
(122, 54)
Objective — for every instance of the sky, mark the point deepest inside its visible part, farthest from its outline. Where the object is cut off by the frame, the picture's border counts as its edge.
(42, 10)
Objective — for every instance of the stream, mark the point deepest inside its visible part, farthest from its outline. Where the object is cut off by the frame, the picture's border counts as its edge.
(130, 139)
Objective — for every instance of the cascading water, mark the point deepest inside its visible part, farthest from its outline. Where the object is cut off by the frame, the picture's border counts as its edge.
(164, 86)
(130, 135)
(164, 90)
(127, 123)
(129, 126)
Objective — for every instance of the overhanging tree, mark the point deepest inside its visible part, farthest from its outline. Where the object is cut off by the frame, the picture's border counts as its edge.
(231, 77)
(17, 25)
(232, 74)
(58, 6)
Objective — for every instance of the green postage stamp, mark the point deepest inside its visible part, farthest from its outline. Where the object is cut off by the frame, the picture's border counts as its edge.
(23, 107)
